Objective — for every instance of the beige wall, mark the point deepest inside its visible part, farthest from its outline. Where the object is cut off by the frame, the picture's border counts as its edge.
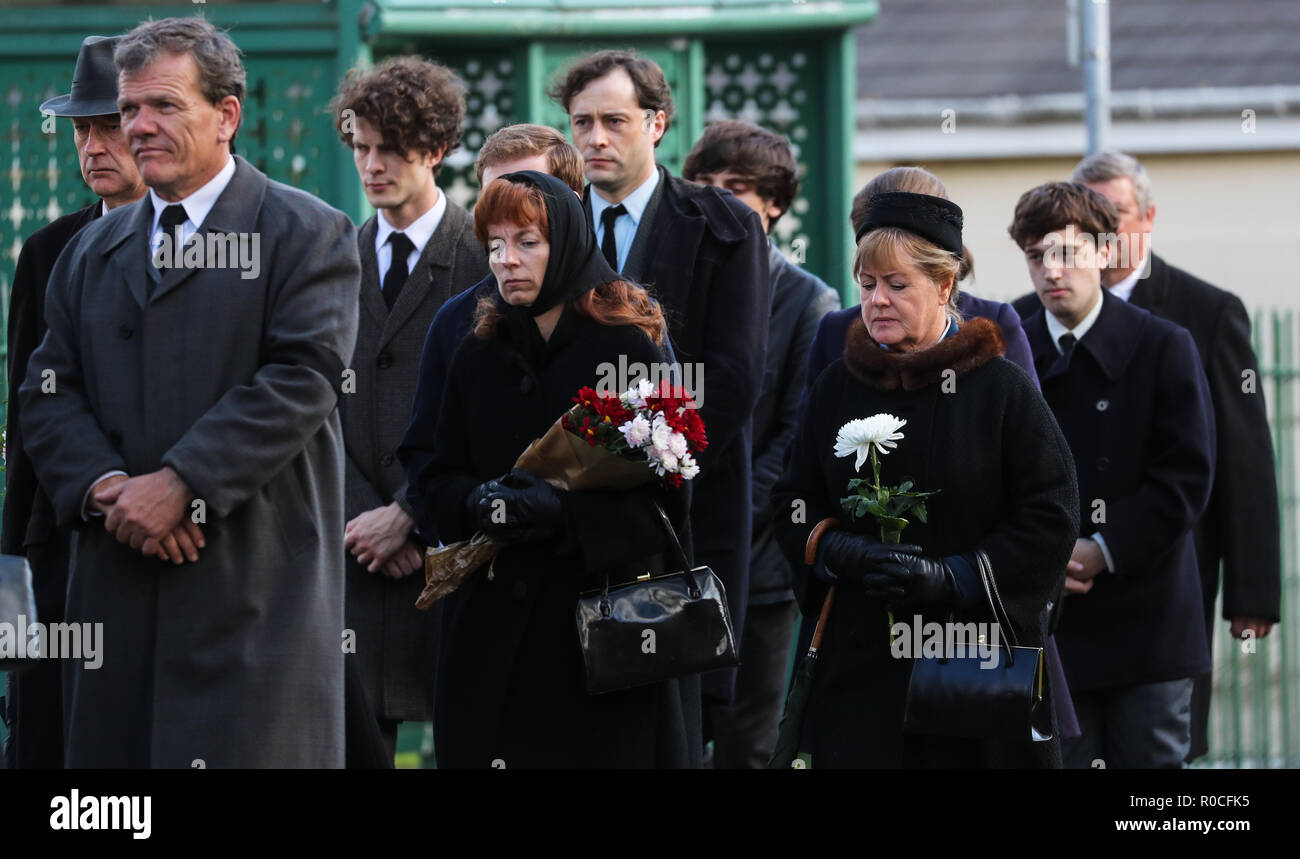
(1231, 219)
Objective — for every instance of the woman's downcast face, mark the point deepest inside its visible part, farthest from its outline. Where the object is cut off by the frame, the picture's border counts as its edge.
(901, 307)
(518, 256)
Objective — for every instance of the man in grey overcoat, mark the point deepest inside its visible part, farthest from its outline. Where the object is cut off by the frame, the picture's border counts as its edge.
(400, 119)
(190, 400)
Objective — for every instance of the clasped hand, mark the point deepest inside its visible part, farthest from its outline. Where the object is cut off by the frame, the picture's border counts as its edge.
(148, 513)
(898, 575)
(506, 506)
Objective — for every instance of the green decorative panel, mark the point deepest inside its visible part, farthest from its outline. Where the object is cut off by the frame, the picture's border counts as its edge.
(779, 88)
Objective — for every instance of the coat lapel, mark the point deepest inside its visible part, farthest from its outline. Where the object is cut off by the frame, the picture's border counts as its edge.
(372, 296)
(235, 211)
(1151, 292)
(128, 243)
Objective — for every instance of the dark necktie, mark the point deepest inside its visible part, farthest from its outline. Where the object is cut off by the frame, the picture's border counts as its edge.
(1067, 342)
(607, 245)
(397, 271)
(172, 216)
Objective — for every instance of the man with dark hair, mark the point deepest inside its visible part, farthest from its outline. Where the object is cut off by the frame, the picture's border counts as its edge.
(1240, 531)
(507, 150)
(1134, 405)
(703, 255)
(401, 119)
(167, 395)
(758, 167)
(34, 709)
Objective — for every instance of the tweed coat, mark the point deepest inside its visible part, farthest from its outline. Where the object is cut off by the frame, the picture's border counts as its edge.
(235, 660)
(396, 643)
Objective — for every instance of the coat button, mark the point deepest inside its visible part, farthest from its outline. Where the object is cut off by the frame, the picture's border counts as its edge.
(385, 360)
(1103, 463)
(526, 385)
(1102, 405)
(125, 332)
(386, 459)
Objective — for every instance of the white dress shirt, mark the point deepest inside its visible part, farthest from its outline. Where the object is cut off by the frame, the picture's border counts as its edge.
(419, 232)
(625, 226)
(1124, 289)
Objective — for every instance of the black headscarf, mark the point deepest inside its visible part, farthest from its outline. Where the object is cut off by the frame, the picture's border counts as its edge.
(576, 264)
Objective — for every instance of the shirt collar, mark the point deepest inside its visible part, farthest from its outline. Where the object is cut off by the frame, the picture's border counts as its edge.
(418, 231)
(198, 204)
(635, 202)
(1056, 330)
(1124, 289)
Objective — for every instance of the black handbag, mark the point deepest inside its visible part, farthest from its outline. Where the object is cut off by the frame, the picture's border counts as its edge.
(17, 610)
(961, 695)
(657, 627)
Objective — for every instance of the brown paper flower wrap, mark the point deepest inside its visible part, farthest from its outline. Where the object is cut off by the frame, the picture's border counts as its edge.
(560, 458)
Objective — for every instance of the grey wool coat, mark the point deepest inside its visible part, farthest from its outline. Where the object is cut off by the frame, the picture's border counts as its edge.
(234, 660)
(396, 643)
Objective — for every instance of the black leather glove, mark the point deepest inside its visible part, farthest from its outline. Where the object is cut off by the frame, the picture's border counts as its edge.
(514, 503)
(850, 558)
(912, 580)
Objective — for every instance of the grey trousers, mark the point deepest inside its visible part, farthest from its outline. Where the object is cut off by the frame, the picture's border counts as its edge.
(744, 732)
(1132, 727)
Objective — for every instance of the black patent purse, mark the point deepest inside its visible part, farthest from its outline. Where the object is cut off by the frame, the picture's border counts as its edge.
(17, 611)
(657, 627)
(960, 695)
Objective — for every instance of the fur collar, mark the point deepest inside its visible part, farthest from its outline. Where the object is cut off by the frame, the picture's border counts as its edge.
(976, 342)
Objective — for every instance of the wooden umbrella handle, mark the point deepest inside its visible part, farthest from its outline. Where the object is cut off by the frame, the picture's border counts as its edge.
(810, 558)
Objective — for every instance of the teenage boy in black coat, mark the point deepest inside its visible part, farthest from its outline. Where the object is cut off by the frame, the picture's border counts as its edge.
(1134, 403)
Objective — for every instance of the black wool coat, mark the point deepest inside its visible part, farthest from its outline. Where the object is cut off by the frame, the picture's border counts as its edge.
(707, 264)
(29, 525)
(1135, 406)
(511, 684)
(1006, 485)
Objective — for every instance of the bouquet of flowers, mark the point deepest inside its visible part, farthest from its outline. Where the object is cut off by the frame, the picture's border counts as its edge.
(604, 441)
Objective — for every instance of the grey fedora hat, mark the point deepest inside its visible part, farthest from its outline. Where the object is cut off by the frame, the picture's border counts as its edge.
(94, 83)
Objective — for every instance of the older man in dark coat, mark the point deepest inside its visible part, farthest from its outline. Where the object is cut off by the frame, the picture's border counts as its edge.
(416, 252)
(35, 716)
(196, 408)
(703, 255)
(1134, 404)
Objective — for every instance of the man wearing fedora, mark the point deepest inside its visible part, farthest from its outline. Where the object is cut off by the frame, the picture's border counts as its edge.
(184, 418)
(33, 704)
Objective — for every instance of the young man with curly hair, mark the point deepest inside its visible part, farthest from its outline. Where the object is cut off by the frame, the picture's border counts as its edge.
(401, 119)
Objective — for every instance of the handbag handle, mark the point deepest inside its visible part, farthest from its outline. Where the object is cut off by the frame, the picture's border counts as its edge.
(680, 555)
(1000, 615)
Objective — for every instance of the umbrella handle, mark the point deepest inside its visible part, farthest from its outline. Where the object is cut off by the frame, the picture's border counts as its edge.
(810, 558)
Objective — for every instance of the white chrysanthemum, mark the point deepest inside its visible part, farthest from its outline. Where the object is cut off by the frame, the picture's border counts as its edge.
(857, 436)
(688, 467)
(636, 431)
(636, 395)
(677, 445)
(669, 461)
(660, 431)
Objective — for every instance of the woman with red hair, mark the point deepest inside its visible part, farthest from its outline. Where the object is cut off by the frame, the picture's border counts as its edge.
(511, 685)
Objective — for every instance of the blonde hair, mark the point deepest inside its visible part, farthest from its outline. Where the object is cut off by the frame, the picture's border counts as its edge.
(893, 247)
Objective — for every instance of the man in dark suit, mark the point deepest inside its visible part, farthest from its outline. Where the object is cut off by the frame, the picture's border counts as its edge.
(758, 167)
(182, 408)
(1134, 404)
(1240, 530)
(516, 147)
(703, 255)
(34, 709)
(400, 119)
